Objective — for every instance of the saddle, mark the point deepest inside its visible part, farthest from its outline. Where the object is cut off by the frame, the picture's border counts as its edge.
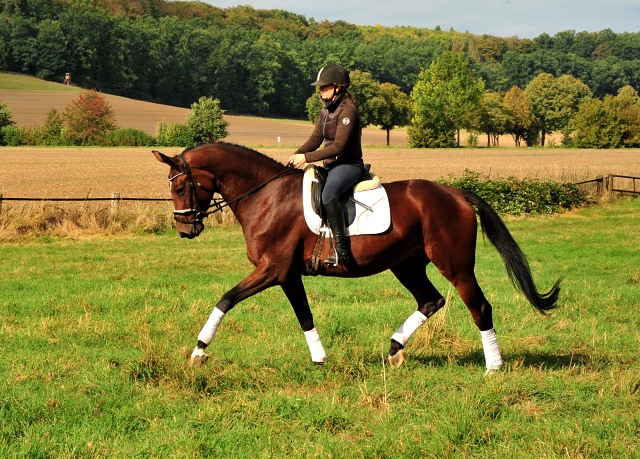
(365, 207)
(367, 181)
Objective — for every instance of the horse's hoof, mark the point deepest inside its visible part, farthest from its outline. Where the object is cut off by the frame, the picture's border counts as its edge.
(320, 362)
(491, 372)
(198, 357)
(396, 360)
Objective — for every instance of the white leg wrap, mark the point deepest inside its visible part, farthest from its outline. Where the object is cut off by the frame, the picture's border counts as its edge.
(491, 349)
(318, 353)
(210, 328)
(408, 328)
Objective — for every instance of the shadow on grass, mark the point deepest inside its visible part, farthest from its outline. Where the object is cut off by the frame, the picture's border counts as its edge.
(517, 359)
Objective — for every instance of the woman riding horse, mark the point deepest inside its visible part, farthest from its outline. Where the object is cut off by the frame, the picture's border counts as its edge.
(339, 128)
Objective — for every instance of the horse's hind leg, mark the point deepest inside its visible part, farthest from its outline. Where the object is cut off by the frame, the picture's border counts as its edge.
(481, 311)
(411, 273)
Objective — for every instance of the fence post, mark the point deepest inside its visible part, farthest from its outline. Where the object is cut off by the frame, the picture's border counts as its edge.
(610, 183)
(115, 200)
(0, 203)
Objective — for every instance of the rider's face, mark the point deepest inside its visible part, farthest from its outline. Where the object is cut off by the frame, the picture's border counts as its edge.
(326, 91)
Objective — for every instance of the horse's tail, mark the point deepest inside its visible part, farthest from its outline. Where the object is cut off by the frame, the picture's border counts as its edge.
(514, 259)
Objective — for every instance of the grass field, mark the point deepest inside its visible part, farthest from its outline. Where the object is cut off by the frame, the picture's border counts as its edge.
(95, 334)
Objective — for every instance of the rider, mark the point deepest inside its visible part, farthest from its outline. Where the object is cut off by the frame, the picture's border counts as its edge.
(339, 128)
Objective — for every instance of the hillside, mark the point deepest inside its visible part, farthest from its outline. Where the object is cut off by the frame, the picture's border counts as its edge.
(30, 99)
(260, 62)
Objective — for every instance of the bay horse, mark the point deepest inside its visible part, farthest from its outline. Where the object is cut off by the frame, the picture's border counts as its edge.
(430, 223)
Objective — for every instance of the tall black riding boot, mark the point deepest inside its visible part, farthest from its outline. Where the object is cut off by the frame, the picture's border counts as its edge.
(335, 219)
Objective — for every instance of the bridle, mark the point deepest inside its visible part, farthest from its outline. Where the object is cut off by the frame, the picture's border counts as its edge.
(217, 203)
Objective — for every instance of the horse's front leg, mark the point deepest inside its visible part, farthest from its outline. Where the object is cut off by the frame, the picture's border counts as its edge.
(294, 289)
(260, 279)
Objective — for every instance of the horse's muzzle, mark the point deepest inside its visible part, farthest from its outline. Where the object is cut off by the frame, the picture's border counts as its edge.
(190, 230)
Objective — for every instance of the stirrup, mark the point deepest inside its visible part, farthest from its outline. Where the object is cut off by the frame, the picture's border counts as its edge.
(336, 259)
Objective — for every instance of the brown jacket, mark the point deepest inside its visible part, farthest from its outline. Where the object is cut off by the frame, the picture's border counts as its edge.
(339, 128)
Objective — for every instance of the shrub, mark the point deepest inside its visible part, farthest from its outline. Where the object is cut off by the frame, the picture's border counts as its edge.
(88, 119)
(173, 135)
(5, 121)
(5, 115)
(612, 123)
(206, 122)
(129, 137)
(9, 135)
(424, 136)
(53, 128)
(513, 196)
(472, 140)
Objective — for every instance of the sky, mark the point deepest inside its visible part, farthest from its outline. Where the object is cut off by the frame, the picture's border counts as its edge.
(502, 18)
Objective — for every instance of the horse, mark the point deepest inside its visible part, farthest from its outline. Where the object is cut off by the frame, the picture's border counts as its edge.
(430, 223)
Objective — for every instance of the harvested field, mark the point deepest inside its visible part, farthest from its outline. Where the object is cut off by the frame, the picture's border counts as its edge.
(134, 172)
(30, 108)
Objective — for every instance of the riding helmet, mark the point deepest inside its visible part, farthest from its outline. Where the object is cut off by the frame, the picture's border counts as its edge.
(333, 74)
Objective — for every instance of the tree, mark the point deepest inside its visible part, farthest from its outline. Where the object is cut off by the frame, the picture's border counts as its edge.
(523, 121)
(571, 93)
(393, 108)
(206, 122)
(555, 102)
(5, 115)
(491, 117)
(444, 95)
(612, 123)
(88, 118)
(6, 123)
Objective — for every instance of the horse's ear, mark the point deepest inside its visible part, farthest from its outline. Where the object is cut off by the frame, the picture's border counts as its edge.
(163, 158)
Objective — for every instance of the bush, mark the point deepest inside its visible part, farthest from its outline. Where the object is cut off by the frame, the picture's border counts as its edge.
(53, 129)
(173, 135)
(206, 122)
(128, 138)
(612, 123)
(512, 196)
(88, 119)
(9, 135)
(425, 136)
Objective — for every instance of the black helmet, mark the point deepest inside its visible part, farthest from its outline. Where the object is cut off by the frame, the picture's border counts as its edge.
(333, 74)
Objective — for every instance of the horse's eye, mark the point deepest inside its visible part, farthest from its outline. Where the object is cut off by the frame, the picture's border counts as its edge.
(180, 191)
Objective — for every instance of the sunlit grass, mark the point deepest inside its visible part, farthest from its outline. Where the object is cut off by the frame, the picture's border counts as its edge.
(95, 335)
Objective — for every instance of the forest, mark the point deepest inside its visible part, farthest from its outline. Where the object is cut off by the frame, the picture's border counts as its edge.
(260, 62)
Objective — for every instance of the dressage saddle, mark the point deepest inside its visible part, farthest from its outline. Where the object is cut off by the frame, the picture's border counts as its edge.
(347, 202)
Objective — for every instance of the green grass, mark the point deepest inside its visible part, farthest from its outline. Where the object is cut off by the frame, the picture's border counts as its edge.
(95, 335)
(17, 82)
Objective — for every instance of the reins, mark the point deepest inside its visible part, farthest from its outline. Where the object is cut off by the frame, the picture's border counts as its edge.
(217, 203)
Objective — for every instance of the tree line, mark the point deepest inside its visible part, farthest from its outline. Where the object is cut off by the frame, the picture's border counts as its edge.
(448, 97)
(260, 62)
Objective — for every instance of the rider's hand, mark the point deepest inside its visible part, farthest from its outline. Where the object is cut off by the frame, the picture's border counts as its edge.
(298, 160)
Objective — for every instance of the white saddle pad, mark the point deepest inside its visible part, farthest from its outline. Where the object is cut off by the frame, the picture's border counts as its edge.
(374, 220)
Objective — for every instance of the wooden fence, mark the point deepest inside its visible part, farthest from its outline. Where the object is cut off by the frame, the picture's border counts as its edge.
(612, 183)
(115, 200)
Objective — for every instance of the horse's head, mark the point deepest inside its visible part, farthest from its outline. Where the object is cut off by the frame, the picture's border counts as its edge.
(190, 198)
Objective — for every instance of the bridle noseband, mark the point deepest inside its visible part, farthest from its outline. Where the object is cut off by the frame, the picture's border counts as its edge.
(217, 203)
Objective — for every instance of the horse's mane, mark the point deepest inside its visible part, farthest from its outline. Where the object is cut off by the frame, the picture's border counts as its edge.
(249, 150)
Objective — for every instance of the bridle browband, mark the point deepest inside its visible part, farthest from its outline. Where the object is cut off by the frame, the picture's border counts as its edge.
(217, 203)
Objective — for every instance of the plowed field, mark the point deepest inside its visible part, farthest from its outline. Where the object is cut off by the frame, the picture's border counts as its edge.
(134, 172)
